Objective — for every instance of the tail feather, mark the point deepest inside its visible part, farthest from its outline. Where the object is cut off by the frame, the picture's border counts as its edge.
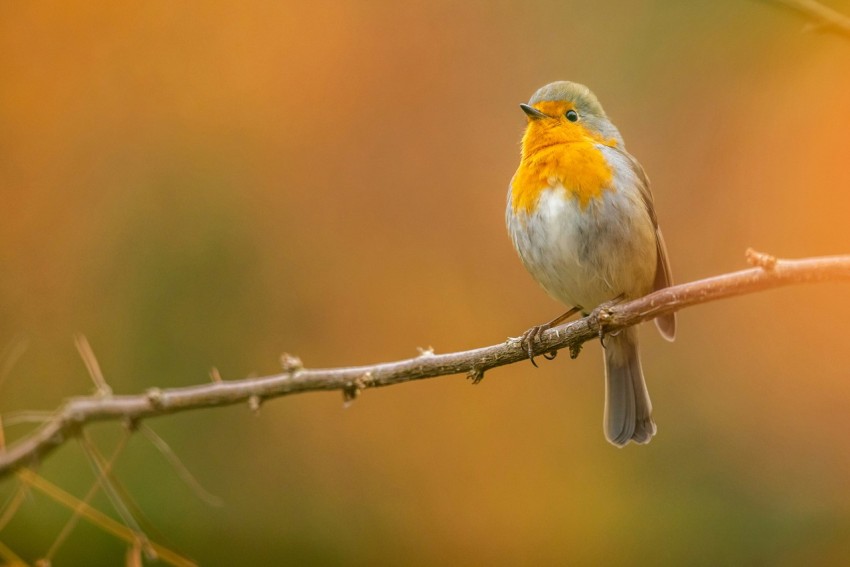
(628, 411)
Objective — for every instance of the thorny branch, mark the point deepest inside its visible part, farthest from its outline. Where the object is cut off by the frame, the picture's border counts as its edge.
(68, 421)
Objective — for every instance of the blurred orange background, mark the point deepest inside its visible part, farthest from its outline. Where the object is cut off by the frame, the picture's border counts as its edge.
(212, 185)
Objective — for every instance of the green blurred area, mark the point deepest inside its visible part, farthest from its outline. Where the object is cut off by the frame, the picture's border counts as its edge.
(210, 186)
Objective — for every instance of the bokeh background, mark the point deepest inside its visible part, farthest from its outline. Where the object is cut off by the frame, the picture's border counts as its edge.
(210, 185)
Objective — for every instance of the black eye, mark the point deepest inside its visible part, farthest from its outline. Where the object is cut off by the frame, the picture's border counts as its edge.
(572, 115)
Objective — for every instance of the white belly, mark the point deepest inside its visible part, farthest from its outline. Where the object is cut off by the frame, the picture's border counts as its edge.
(586, 257)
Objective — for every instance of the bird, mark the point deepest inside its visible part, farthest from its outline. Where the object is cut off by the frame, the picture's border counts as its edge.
(581, 217)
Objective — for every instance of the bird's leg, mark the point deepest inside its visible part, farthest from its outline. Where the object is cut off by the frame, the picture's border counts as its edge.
(533, 334)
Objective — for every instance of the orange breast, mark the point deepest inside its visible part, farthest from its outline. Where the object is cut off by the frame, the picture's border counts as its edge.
(578, 166)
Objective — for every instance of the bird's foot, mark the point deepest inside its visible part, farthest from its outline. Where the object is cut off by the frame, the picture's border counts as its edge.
(602, 312)
(528, 338)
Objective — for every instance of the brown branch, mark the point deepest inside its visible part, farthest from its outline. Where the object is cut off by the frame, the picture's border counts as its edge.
(70, 418)
(823, 17)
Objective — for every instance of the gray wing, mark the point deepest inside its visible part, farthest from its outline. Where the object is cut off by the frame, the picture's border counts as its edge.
(663, 278)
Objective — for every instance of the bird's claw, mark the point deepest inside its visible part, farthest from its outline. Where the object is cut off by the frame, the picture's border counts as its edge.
(603, 312)
(528, 339)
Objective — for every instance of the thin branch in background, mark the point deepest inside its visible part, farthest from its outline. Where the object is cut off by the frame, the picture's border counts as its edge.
(98, 518)
(20, 417)
(10, 355)
(11, 559)
(70, 419)
(10, 508)
(178, 465)
(822, 17)
(77, 511)
(105, 479)
(133, 557)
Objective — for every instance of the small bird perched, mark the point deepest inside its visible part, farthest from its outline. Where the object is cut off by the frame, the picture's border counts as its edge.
(581, 217)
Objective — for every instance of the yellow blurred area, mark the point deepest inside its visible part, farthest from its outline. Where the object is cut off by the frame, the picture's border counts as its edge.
(210, 185)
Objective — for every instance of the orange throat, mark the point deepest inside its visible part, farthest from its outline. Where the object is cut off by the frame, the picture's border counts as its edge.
(555, 153)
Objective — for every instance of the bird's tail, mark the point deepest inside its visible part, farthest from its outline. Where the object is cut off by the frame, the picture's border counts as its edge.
(628, 411)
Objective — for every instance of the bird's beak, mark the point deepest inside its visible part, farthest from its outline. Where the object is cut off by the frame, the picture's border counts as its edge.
(532, 112)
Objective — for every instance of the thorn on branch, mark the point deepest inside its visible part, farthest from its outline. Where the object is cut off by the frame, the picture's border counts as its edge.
(155, 398)
(290, 363)
(90, 360)
(760, 259)
(215, 375)
(351, 391)
(476, 375)
(349, 394)
(254, 403)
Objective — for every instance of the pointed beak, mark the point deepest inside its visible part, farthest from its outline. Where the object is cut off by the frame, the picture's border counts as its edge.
(532, 112)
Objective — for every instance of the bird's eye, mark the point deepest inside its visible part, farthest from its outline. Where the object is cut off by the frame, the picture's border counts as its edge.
(572, 115)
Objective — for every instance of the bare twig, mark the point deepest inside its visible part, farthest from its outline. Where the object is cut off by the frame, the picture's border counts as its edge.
(822, 17)
(69, 419)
